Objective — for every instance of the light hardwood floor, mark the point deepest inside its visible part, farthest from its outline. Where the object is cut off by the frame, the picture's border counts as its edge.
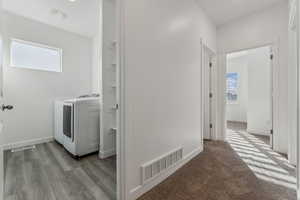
(50, 173)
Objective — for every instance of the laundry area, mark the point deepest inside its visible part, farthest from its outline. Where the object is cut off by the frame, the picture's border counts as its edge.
(61, 84)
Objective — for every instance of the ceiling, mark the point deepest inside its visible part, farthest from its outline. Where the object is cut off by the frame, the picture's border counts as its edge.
(80, 16)
(224, 11)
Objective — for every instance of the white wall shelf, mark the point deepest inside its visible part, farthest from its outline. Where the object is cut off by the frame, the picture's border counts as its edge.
(109, 77)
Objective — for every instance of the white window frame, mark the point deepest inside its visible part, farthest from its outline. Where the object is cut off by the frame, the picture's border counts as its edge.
(36, 45)
(237, 89)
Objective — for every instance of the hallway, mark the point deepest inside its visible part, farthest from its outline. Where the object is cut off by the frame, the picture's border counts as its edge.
(245, 169)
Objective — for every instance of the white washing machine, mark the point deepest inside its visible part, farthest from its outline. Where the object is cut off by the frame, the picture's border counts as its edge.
(79, 123)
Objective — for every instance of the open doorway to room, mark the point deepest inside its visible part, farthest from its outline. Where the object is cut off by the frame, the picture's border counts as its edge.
(60, 78)
(249, 117)
(249, 105)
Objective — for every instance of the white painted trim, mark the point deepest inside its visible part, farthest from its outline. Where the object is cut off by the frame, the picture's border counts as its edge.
(27, 143)
(107, 153)
(298, 100)
(275, 92)
(204, 90)
(214, 90)
(221, 101)
(202, 93)
(1, 122)
(2, 171)
(122, 191)
(141, 189)
(259, 132)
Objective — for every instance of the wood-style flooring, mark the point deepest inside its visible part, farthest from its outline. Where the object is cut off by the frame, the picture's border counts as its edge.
(243, 169)
(48, 172)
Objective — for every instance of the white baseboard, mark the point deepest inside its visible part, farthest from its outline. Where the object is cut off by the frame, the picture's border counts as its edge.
(259, 132)
(237, 121)
(142, 189)
(107, 153)
(26, 143)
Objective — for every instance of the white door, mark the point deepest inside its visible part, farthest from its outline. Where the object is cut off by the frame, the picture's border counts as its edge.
(271, 125)
(3, 108)
(210, 100)
(1, 114)
(207, 64)
(260, 91)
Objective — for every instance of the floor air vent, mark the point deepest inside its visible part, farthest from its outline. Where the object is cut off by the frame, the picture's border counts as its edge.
(157, 166)
(23, 148)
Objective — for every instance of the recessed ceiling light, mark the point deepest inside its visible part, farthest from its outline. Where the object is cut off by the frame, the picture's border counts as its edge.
(72, 0)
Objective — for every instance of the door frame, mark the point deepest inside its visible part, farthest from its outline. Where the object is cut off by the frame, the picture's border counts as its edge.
(298, 96)
(121, 164)
(122, 189)
(210, 84)
(271, 83)
(1, 124)
(221, 82)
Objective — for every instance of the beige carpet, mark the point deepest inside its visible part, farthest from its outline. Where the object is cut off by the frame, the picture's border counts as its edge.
(250, 172)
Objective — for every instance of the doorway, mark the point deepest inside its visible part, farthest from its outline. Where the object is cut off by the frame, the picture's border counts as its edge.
(59, 137)
(208, 59)
(249, 116)
(249, 89)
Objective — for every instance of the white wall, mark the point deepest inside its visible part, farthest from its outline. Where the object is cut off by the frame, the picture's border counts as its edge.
(97, 53)
(162, 81)
(292, 88)
(257, 30)
(259, 111)
(96, 65)
(238, 111)
(32, 92)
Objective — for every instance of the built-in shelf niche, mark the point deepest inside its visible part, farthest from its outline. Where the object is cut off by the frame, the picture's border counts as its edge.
(109, 77)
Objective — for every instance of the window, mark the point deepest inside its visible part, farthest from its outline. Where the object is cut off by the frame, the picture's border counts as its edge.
(232, 87)
(30, 55)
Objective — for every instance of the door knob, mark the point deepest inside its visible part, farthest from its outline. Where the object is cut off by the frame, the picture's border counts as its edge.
(6, 107)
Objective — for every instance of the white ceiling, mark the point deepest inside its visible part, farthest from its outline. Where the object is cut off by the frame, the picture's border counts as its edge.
(223, 11)
(80, 17)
